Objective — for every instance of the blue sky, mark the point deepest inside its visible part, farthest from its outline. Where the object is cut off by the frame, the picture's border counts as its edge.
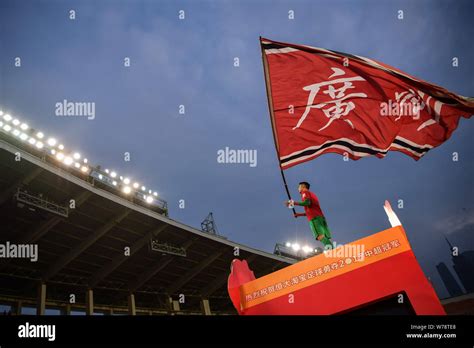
(190, 62)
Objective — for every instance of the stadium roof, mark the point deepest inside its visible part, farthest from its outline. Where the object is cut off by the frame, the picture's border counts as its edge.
(85, 247)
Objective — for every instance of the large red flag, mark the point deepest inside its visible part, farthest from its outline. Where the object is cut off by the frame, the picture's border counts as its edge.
(325, 101)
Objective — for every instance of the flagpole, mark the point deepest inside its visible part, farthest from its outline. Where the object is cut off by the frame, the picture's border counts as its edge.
(270, 109)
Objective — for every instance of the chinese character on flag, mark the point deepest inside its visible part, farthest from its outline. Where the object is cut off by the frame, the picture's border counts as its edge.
(324, 101)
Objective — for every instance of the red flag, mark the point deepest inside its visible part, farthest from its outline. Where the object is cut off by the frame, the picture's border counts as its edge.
(325, 101)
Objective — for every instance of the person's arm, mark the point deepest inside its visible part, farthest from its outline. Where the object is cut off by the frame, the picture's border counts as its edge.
(305, 203)
(299, 214)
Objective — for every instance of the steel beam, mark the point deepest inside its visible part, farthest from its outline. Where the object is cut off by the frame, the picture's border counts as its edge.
(133, 286)
(81, 247)
(193, 272)
(25, 180)
(119, 259)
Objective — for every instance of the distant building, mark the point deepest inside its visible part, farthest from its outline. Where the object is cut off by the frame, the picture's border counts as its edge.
(449, 281)
(463, 264)
(464, 267)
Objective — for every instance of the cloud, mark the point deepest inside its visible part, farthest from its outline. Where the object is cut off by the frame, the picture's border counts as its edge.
(455, 223)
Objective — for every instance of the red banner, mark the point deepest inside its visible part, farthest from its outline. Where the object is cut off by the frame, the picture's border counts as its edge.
(356, 275)
(324, 101)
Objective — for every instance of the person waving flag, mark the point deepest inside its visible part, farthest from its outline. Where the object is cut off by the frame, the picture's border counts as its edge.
(317, 221)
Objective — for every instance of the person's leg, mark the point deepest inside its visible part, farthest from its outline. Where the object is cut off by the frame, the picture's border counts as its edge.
(319, 232)
(327, 234)
(314, 229)
(322, 231)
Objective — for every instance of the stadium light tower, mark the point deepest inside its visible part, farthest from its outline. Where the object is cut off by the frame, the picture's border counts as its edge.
(209, 225)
